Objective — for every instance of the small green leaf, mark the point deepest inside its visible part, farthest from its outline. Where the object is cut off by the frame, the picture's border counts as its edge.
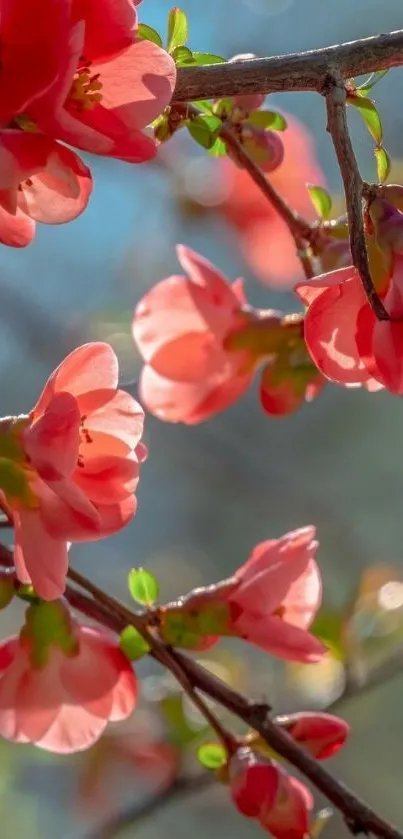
(200, 58)
(383, 163)
(204, 129)
(268, 119)
(177, 29)
(218, 149)
(182, 56)
(321, 200)
(369, 114)
(132, 644)
(143, 586)
(372, 80)
(204, 105)
(212, 755)
(147, 33)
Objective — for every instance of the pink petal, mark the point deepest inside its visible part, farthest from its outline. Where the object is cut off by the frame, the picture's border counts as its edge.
(9, 687)
(304, 597)
(309, 291)
(203, 273)
(387, 345)
(16, 231)
(109, 26)
(90, 367)
(39, 698)
(280, 638)
(138, 84)
(45, 558)
(74, 730)
(124, 695)
(113, 412)
(61, 191)
(106, 480)
(29, 65)
(52, 441)
(329, 330)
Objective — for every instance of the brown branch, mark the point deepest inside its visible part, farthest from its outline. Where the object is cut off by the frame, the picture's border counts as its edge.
(297, 71)
(358, 815)
(335, 94)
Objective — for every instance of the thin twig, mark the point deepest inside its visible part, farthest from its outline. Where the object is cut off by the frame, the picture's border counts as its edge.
(302, 71)
(335, 94)
(301, 230)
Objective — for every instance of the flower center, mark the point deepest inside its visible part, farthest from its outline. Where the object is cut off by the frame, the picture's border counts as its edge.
(85, 91)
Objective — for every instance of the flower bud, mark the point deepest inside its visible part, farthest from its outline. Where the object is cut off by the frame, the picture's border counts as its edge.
(322, 735)
(388, 225)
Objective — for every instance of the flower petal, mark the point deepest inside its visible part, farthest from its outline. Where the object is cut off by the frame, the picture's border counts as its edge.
(93, 366)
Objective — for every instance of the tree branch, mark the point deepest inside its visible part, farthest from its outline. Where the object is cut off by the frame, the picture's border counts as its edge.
(297, 71)
(335, 94)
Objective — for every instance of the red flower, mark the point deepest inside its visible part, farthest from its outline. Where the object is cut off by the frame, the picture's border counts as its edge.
(80, 463)
(263, 790)
(320, 734)
(100, 101)
(40, 180)
(60, 686)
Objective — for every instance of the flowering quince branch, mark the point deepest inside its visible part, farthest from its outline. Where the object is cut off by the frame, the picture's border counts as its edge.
(359, 817)
(300, 71)
(336, 95)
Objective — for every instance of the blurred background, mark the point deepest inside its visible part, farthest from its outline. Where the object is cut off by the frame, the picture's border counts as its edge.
(208, 494)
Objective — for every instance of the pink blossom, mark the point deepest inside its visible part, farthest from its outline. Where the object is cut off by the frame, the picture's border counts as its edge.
(263, 790)
(180, 328)
(82, 441)
(59, 693)
(270, 601)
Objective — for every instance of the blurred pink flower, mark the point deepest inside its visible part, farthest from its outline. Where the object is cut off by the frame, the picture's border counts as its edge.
(265, 241)
(61, 693)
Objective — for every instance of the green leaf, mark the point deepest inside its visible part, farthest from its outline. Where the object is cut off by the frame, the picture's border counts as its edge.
(182, 56)
(200, 58)
(212, 755)
(177, 29)
(132, 644)
(383, 163)
(204, 105)
(369, 114)
(147, 33)
(372, 80)
(268, 119)
(143, 586)
(204, 130)
(321, 200)
(329, 626)
(218, 149)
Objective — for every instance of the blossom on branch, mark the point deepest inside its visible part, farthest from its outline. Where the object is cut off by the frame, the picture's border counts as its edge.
(202, 344)
(270, 601)
(101, 101)
(71, 466)
(263, 790)
(62, 682)
(347, 342)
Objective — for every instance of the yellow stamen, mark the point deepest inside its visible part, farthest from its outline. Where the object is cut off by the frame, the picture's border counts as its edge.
(85, 91)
